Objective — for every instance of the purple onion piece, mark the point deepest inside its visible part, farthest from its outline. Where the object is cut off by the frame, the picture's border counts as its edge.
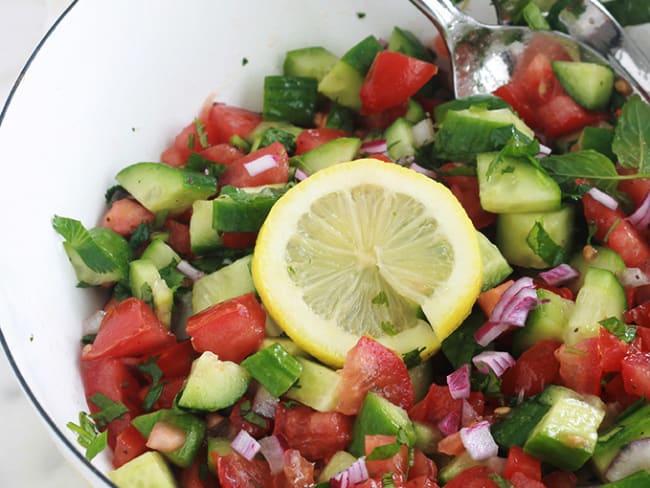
(559, 275)
(245, 444)
(478, 441)
(450, 423)
(496, 361)
(489, 331)
(273, 451)
(634, 457)
(640, 218)
(458, 382)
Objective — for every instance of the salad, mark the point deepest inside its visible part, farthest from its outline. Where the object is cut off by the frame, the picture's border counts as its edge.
(195, 377)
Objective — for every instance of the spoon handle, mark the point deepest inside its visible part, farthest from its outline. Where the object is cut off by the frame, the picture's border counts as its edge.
(450, 21)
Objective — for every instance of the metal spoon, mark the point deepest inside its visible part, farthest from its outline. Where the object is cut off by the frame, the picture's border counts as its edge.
(591, 23)
(483, 56)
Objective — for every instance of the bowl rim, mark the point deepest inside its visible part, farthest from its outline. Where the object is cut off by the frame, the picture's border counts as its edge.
(82, 462)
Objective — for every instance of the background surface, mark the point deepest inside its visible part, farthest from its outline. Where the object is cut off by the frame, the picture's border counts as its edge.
(29, 458)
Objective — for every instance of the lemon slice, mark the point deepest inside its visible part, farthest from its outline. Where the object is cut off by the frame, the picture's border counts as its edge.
(359, 248)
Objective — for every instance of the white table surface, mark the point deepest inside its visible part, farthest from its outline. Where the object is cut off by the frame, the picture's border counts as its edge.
(29, 457)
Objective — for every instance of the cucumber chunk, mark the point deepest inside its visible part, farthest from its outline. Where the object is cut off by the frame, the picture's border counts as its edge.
(515, 186)
(311, 62)
(361, 55)
(340, 461)
(160, 254)
(405, 42)
(148, 470)
(228, 282)
(244, 209)
(589, 84)
(338, 150)
(160, 187)
(399, 139)
(147, 284)
(598, 257)
(290, 98)
(495, 267)
(274, 368)
(514, 429)
(203, 237)
(317, 387)
(487, 102)
(342, 85)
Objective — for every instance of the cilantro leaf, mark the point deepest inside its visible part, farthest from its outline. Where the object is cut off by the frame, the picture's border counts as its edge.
(489, 384)
(632, 135)
(110, 410)
(273, 134)
(151, 369)
(542, 244)
(250, 416)
(617, 327)
(172, 277)
(88, 436)
(113, 192)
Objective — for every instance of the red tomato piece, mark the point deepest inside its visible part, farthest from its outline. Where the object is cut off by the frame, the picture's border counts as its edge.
(170, 389)
(465, 189)
(516, 96)
(310, 139)
(635, 370)
(580, 366)
(130, 329)
(617, 233)
(539, 45)
(534, 369)
(371, 366)
(381, 120)
(172, 156)
(396, 464)
(195, 477)
(392, 79)
(560, 479)
(562, 291)
(520, 462)
(238, 173)
(232, 329)
(435, 406)
(179, 237)
(520, 480)
(129, 444)
(238, 421)
(614, 391)
(124, 216)
(421, 482)
(297, 471)
(476, 477)
(637, 188)
(639, 315)
(612, 349)
(227, 121)
(562, 115)
(642, 340)
(238, 240)
(235, 471)
(422, 467)
(380, 157)
(174, 361)
(222, 153)
(317, 435)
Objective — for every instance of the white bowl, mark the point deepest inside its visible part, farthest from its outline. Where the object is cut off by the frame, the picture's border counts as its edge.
(110, 85)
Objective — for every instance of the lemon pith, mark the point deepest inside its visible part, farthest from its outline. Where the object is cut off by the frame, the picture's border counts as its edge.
(356, 249)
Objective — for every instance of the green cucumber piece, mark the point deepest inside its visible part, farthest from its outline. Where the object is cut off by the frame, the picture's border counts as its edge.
(486, 102)
(457, 465)
(464, 133)
(191, 425)
(290, 346)
(513, 230)
(422, 375)
(361, 55)
(160, 187)
(599, 257)
(290, 98)
(340, 461)
(244, 209)
(399, 139)
(340, 150)
(148, 470)
(405, 42)
(219, 446)
(254, 138)
(147, 285)
(515, 186)
(228, 282)
(602, 296)
(546, 322)
(566, 436)
(514, 428)
(213, 384)
(589, 84)
(310, 62)
(378, 416)
(340, 117)
(203, 237)
(414, 112)
(160, 254)
(274, 368)
(317, 386)
(342, 85)
(98, 256)
(426, 438)
(495, 267)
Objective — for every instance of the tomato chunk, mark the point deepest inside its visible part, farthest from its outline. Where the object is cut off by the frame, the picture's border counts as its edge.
(310, 139)
(392, 79)
(635, 370)
(396, 464)
(235, 471)
(241, 174)
(580, 366)
(435, 406)
(232, 329)
(476, 477)
(130, 329)
(520, 462)
(227, 121)
(125, 215)
(128, 445)
(534, 369)
(222, 153)
(612, 349)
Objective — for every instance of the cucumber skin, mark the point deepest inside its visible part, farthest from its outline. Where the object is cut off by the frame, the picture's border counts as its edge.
(309, 62)
(589, 84)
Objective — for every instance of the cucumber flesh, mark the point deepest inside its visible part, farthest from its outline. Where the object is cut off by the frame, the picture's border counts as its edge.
(338, 150)
(147, 470)
(147, 284)
(203, 237)
(589, 84)
(310, 62)
(228, 282)
(342, 85)
(399, 139)
(495, 267)
(598, 257)
(318, 386)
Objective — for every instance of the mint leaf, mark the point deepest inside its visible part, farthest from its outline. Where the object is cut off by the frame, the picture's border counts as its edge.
(632, 135)
(617, 327)
(110, 410)
(80, 239)
(544, 246)
(151, 369)
(272, 134)
(588, 164)
(88, 436)
(384, 452)
(140, 235)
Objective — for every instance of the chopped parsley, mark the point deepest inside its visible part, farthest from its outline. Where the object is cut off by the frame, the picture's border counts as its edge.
(361, 15)
(201, 133)
(617, 327)
(244, 61)
(151, 369)
(380, 298)
(88, 435)
(109, 410)
(412, 358)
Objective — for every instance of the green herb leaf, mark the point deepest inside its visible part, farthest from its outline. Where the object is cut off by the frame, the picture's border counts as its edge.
(588, 164)
(500, 481)
(244, 61)
(198, 163)
(632, 135)
(88, 338)
(201, 133)
(121, 292)
(388, 328)
(361, 15)
(489, 384)
(191, 141)
(250, 416)
(172, 277)
(617, 327)
(273, 134)
(543, 245)
(460, 347)
(384, 452)
(387, 480)
(140, 236)
(112, 192)
(88, 436)
(412, 358)
(110, 410)
(151, 369)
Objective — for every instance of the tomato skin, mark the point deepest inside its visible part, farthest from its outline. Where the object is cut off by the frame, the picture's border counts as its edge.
(562, 115)
(435, 406)
(381, 120)
(396, 464)
(222, 153)
(520, 480)
(614, 392)
(232, 329)
(635, 371)
(612, 349)
(393, 78)
(237, 175)
(371, 366)
(476, 477)
(227, 121)
(534, 369)
(642, 340)
(515, 95)
(580, 366)
(639, 315)
(129, 444)
(317, 435)
(175, 360)
(235, 471)
(297, 471)
(238, 240)
(520, 462)
(193, 477)
(179, 237)
(310, 139)
(621, 236)
(130, 329)
(172, 156)
(422, 467)
(124, 216)
(637, 188)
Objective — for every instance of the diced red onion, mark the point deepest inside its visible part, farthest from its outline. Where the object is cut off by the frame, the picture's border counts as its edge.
(357, 472)
(260, 165)
(264, 403)
(458, 382)
(165, 437)
(423, 171)
(633, 277)
(245, 444)
(478, 441)
(91, 324)
(374, 147)
(603, 198)
(450, 423)
(544, 150)
(468, 414)
(190, 271)
(633, 457)
(512, 296)
(300, 175)
(490, 331)
(423, 132)
(559, 275)
(640, 218)
(496, 361)
(273, 451)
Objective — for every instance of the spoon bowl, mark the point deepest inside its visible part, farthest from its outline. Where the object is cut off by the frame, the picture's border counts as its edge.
(483, 57)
